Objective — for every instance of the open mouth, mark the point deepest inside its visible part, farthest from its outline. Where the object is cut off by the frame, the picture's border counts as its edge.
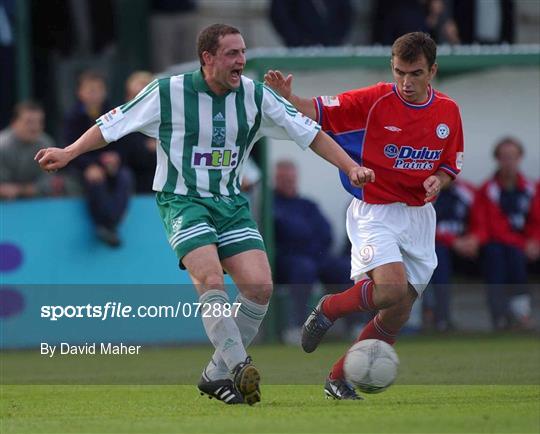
(236, 74)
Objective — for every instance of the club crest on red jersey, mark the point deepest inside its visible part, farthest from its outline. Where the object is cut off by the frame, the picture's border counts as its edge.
(442, 131)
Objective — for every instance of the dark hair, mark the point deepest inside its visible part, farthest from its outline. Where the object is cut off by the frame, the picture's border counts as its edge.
(24, 106)
(508, 140)
(208, 39)
(411, 46)
(90, 75)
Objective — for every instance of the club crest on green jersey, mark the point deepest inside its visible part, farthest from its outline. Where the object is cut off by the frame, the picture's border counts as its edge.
(218, 136)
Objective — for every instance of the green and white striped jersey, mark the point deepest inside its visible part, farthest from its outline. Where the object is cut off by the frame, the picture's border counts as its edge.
(203, 139)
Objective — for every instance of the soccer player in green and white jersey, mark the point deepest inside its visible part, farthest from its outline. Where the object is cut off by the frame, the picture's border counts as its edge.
(206, 123)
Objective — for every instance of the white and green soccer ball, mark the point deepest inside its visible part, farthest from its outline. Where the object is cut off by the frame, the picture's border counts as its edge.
(371, 365)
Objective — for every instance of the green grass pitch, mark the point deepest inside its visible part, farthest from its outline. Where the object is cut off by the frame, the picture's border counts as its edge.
(445, 385)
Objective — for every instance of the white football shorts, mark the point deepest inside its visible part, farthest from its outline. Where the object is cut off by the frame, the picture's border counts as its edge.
(396, 232)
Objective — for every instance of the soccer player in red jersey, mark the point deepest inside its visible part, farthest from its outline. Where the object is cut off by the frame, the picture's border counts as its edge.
(411, 136)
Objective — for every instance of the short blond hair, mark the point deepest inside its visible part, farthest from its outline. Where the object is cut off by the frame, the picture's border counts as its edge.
(138, 79)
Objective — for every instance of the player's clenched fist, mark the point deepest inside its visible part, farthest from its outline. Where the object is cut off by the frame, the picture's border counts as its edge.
(51, 159)
(359, 176)
(432, 185)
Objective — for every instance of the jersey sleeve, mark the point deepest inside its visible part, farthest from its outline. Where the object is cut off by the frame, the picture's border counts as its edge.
(280, 120)
(452, 160)
(141, 114)
(348, 111)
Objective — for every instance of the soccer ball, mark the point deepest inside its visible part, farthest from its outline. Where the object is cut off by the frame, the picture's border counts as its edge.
(371, 365)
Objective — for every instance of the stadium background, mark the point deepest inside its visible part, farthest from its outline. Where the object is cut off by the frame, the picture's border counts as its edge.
(496, 87)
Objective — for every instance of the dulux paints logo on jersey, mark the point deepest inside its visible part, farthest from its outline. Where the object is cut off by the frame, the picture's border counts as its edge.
(222, 158)
(409, 158)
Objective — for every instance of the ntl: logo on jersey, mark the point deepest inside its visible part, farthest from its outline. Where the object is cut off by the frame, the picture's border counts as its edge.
(222, 158)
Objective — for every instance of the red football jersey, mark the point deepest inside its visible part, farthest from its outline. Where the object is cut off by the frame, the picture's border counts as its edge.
(403, 143)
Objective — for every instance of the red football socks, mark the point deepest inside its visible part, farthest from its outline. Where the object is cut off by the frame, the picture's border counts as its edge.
(357, 298)
(373, 330)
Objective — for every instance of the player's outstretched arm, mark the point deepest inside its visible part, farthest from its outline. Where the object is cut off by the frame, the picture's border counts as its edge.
(324, 146)
(56, 158)
(283, 85)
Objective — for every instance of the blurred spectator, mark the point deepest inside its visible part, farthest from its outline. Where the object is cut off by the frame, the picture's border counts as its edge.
(394, 18)
(20, 176)
(454, 245)
(303, 242)
(137, 150)
(440, 22)
(505, 222)
(107, 183)
(302, 23)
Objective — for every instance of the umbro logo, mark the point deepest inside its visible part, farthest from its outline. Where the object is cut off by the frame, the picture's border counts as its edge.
(392, 128)
(218, 118)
